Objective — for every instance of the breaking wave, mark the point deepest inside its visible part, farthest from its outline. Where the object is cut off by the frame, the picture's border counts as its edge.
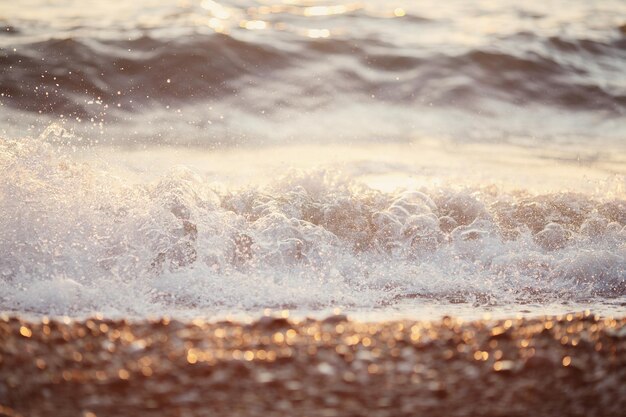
(77, 238)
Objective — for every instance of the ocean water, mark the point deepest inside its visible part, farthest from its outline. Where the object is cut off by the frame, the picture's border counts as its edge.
(388, 159)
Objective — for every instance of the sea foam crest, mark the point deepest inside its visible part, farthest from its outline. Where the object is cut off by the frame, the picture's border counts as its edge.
(77, 238)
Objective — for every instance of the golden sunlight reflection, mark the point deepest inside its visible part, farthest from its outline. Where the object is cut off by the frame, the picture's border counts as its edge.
(216, 24)
(318, 33)
(253, 24)
(399, 12)
(216, 9)
(223, 19)
(328, 10)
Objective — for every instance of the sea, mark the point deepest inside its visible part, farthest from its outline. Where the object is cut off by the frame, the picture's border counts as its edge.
(384, 159)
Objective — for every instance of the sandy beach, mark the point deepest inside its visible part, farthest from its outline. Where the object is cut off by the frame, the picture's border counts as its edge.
(571, 365)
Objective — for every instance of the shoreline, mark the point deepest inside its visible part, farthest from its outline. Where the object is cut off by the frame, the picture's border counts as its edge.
(573, 364)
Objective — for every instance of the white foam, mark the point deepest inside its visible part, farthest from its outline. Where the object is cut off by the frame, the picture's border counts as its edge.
(76, 238)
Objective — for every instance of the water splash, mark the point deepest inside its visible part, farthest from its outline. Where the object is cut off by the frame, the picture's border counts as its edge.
(77, 238)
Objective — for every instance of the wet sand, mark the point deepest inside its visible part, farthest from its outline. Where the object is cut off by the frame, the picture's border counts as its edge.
(573, 365)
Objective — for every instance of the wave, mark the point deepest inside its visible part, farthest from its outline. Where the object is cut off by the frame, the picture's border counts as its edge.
(69, 76)
(87, 77)
(78, 238)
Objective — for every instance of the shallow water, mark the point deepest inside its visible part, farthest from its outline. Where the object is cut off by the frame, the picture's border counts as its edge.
(390, 159)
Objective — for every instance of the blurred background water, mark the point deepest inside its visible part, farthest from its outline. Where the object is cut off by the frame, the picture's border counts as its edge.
(267, 72)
